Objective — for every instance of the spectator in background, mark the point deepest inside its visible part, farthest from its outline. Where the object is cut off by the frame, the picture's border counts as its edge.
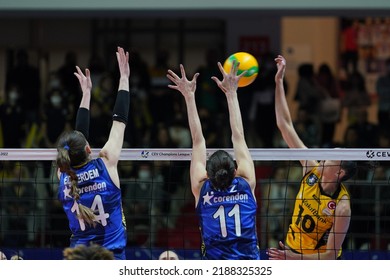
(351, 138)
(19, 204)
(16, 258)
(58, 224)
(142, 197)
(160, 100)
(178, 130)
(140, 80)
(138, 131)
(159, 68)
(102, 93)
(380, 206)
(67, 79)
(90, 252)
(99, 126)
(97, 68)
(309, 96)
(3, 257)
(173, 172)
(161, 137)
(211, 129)
(54, 83)
(26, 78)
(367, 132)
(355, 95)
(384, 140)
(55, 120)
(330, 104)
(13, 120)
(101, 108)
(208, 95)
(365, 38)
(168, 255)
(308, 129)
(262, 103)
(349, 45)
(383, 92)
(308, 93)
(55, 117)
(179, 133)
(278, 199)
(6, 173)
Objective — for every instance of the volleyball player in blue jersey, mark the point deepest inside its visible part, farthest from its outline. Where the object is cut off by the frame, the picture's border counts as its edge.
(223, 189)
(89, 188)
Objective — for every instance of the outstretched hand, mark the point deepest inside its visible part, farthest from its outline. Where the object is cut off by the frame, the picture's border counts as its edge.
(123, 62)
(278, 254)
(230, 80)
(281, 65)
(182, 84)
(84, 79)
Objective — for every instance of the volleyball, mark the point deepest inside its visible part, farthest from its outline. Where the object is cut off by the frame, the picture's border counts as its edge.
(247, 63)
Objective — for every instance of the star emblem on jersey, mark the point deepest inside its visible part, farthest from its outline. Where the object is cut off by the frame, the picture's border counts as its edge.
(67, 192)
(207, 197)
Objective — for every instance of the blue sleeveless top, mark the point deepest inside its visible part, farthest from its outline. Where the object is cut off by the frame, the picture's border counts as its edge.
(98, 192)
(228, 222)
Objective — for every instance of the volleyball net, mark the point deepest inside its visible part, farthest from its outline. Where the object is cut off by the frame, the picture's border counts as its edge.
(159, 206)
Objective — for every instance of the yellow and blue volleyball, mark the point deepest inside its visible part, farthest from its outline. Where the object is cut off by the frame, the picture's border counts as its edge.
(247, 63)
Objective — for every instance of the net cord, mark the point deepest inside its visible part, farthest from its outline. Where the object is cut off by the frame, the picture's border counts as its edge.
(145, 154)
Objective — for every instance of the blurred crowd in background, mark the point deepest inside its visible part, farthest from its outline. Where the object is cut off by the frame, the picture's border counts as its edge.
(156, 193)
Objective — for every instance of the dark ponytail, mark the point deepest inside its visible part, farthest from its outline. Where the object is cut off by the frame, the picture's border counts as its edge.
(220, 169)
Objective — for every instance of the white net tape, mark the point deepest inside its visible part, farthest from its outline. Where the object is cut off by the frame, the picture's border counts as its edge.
(185, 154)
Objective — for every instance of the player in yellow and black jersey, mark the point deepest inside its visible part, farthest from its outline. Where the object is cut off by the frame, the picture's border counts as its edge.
(322, 210)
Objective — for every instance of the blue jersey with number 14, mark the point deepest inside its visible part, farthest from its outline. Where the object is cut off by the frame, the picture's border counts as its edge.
(98, 192)
(228, 222)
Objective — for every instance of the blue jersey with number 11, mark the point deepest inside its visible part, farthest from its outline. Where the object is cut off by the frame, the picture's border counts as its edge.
(228, 222)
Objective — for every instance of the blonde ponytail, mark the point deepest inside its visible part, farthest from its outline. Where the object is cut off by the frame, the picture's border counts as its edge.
(85, 212)
(71, 152)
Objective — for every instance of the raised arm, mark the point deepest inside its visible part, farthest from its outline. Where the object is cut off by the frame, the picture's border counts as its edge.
(83, 116)
(283, 116)
(229, 84)
(112, 149)
(187, 88)
(339, 230)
